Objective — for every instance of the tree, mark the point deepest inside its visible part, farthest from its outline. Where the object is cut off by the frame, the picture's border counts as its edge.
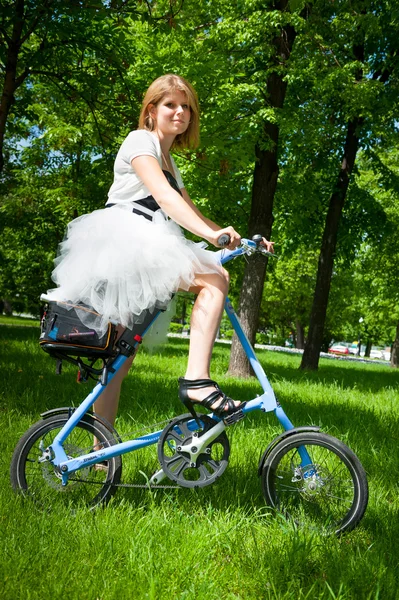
(287, 292)
(360, 116)
(377, 263)
(54, 40)
(273, 65)
(65, 100)
(58, 178)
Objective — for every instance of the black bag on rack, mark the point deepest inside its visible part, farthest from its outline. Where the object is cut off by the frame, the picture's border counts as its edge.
(62, 332)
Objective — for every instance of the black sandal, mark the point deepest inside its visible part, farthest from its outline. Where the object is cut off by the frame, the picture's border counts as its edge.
(224, 409)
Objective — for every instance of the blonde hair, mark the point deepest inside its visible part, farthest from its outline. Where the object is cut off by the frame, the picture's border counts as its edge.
(156, 92)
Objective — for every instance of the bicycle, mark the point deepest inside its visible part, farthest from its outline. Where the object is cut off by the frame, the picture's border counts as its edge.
(306, 474)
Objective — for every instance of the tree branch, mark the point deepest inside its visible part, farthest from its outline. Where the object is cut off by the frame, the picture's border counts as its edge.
(4, 33)
(21, 78)
(385, 72)
(58, 78)
(32, 27)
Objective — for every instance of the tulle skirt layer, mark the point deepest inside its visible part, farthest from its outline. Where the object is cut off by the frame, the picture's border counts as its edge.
(122, 264)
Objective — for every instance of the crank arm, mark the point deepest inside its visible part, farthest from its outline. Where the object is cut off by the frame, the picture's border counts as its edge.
(198, 445)
(157, 477)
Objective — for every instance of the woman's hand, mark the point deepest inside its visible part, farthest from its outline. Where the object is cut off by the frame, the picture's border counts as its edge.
(268, 245)
(235, 238)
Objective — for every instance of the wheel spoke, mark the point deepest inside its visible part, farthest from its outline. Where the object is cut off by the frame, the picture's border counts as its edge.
(42, 480)
(324, 491)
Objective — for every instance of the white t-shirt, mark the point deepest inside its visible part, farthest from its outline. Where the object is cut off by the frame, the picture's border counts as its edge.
(127, 186)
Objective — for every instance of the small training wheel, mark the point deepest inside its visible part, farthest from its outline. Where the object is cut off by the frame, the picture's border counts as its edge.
(178, 452)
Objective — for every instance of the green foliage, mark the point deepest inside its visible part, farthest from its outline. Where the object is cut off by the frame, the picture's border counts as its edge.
(377, 263)
(175, 327)
(82, 71)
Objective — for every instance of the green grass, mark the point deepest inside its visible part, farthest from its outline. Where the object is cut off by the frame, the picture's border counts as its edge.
(220, 542)
(14, 320)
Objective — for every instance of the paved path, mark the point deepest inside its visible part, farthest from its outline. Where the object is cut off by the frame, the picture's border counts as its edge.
(296, 351)
(260, 346)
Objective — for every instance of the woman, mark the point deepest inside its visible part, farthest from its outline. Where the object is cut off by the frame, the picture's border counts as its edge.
(132, 255)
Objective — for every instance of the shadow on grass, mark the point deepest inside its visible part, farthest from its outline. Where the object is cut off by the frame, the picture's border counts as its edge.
(152, 394)
(19, 332)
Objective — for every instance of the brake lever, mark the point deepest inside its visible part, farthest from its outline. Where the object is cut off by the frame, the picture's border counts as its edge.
(252, 247)
(266, 252)
(256, 246)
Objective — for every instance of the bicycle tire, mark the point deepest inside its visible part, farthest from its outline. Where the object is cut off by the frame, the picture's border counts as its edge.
(330, 494)
(90, 486)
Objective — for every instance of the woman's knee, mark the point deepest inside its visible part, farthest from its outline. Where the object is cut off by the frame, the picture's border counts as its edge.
(225, 277)
(219, 281)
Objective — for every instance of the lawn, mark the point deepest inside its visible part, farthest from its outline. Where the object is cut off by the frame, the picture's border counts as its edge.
(219, 542)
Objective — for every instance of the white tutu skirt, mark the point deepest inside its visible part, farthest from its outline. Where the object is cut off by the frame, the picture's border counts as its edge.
(122, 264)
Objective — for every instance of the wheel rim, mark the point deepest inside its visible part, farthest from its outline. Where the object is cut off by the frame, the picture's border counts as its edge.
(42, 481)
(322, 494)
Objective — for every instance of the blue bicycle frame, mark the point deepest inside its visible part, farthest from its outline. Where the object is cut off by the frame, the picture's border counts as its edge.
(267, 402)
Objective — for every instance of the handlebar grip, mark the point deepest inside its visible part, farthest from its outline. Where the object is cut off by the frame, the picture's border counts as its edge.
(224, 240)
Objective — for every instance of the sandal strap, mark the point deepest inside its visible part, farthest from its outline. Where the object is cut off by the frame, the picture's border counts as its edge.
(211, 399)
(224, 402)
(221, 411)
(216, 396)
(196, 384)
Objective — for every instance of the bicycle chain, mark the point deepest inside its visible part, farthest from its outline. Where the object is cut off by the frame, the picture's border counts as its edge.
(129, 485)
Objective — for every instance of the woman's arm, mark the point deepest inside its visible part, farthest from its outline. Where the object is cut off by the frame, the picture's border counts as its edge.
(180, 209)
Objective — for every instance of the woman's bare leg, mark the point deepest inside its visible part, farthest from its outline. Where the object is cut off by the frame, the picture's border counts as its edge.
(205, 321)
(207, 312)
(107, 404)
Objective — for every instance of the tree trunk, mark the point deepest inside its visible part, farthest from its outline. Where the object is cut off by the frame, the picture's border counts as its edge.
(183, 312)
(7, 306)
(300, 335)
(265, 181)
(395, 349)
(10, 80)
(261, 216)
(310, 358)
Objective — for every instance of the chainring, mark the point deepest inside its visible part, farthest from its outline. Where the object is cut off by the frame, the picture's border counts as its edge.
(179, 465)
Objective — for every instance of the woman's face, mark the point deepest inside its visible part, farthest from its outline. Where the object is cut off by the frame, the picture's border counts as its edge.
(172, 114)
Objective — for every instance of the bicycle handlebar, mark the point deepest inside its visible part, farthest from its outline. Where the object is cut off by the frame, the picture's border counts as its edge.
(247, 247)
(224, 240)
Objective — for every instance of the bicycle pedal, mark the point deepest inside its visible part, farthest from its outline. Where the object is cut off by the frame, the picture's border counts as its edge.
(234, 417)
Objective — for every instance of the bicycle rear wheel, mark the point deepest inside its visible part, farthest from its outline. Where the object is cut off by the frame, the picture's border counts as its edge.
(41, 481)
(330, 493)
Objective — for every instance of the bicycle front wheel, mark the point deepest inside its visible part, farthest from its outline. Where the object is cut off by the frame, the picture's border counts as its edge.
(42, 481)
(329, 491)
